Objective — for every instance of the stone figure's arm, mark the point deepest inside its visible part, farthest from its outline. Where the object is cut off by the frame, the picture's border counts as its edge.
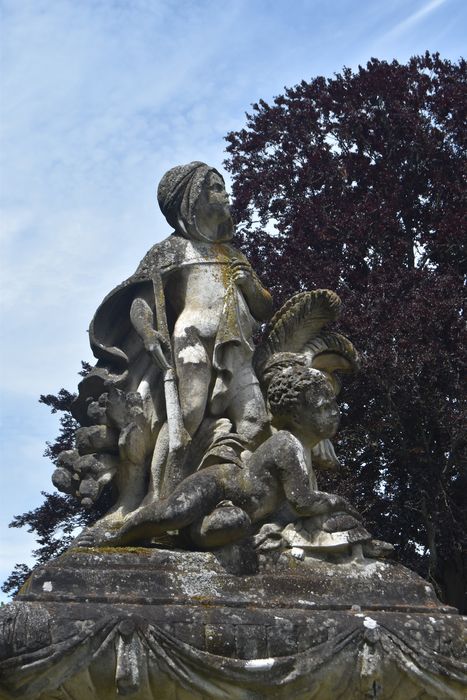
(283, 454)
(154, 342)
(192, 499)
(257, 297)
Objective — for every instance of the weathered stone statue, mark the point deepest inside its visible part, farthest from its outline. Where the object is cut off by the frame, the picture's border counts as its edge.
(174, 344)
(221, 570)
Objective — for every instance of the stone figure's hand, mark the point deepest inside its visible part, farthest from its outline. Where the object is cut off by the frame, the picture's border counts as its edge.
(242, 274)
(323, 503)
(154, 342)
(158, 348)
(339, 503)
(257, 297)
(347, 507)
(324, 456)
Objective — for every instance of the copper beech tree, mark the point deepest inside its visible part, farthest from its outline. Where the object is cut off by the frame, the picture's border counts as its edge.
(356, 183)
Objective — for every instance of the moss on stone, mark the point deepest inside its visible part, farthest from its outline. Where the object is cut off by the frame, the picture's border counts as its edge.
(108, 550)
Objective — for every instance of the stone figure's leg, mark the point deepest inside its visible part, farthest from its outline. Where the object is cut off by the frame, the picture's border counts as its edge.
(131, 483)
(197, 495)
(194, 375)
(225, 524)
(158, 462)
(246, 408)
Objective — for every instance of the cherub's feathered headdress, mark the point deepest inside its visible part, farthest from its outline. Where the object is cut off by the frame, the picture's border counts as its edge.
(297, 329)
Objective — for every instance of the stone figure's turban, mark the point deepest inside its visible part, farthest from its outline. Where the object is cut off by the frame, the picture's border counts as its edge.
(179, 190)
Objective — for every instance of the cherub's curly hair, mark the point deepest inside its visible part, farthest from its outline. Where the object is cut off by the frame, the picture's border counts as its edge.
(288, 380)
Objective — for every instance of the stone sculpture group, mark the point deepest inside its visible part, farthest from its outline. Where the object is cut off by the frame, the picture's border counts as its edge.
(201, 431)
(220, 570)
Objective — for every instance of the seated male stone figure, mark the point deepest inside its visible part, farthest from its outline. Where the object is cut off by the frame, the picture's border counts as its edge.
(221, 502)
(206, 292)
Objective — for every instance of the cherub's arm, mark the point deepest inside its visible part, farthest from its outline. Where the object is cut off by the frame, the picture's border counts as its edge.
(258, 298)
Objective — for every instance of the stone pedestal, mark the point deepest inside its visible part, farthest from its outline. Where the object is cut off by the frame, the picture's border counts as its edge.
(152, 623)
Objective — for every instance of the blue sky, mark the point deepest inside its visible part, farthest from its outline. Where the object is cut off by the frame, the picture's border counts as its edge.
(98, 99)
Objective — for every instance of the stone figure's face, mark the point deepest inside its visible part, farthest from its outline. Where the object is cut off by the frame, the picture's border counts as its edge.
(303, 400)
(216, 195)
(212, 210)
(320, 415)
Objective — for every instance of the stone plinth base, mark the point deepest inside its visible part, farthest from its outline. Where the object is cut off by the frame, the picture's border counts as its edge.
(151, 623)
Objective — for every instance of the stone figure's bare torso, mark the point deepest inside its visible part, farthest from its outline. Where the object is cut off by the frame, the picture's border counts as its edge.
(197, 291)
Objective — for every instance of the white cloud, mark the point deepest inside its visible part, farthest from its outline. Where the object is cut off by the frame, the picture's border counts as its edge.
(414, 18)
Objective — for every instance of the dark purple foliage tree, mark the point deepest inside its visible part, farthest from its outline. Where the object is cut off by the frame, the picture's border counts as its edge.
(357, 183)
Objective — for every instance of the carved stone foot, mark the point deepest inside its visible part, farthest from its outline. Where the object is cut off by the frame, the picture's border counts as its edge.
(377, 549)
(99, 535)
(225, 524)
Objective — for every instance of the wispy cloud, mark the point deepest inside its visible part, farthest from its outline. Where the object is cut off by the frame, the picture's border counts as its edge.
(413, 19)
